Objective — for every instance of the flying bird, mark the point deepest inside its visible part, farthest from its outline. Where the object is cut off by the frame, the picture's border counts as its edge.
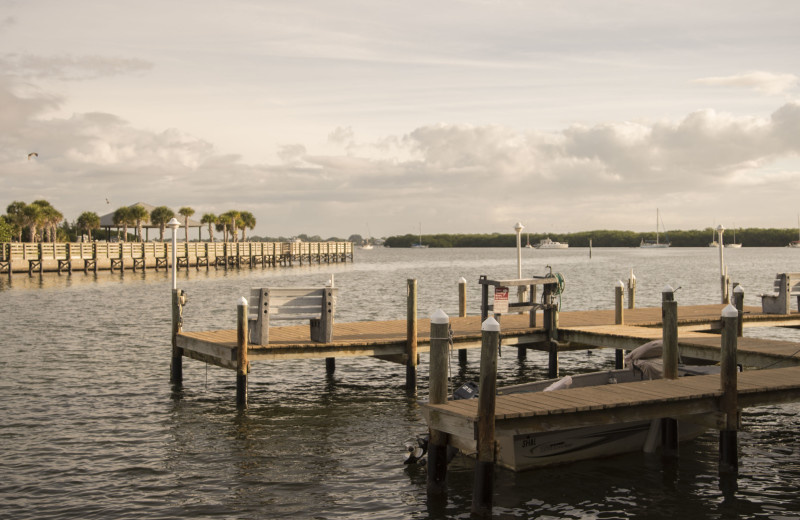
(108, 201)
(32, 154)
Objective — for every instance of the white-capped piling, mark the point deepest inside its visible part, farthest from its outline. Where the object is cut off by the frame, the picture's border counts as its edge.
(632, 291)
(729, 405)
(619, 319)
(483, 486)
(437, 445)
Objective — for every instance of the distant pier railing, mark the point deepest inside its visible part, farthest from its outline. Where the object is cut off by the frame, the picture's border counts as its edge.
(23, 257)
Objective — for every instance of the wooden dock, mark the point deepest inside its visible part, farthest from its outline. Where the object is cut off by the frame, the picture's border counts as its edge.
(138, 256)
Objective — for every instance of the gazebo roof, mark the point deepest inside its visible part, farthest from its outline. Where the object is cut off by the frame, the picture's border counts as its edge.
(108, 219)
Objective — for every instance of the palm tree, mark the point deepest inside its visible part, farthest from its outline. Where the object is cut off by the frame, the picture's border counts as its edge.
(233, 219)
(159, 217)
(223, 221)
(248, 221)
(139, 214)
(122, 217)
(32, 218)
(187, 212)
(87, 221)
(210, 219)
(50, 218)
(15, 217)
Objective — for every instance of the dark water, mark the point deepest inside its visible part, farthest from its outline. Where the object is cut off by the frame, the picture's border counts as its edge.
(90, 426)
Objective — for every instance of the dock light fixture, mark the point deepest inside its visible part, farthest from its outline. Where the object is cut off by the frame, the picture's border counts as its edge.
(518, 227)
(174, 225)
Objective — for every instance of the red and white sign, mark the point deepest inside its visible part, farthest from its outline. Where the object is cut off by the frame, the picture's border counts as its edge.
(500, 300)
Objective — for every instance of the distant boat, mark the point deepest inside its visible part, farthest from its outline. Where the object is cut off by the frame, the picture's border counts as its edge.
(546, 243)
(734, 244)
(529, 241)
(713, 242)
(420, 245)
(367, 243)
(650, 244)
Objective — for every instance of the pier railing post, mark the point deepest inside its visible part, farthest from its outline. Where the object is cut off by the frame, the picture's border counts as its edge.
(242, 367)
(619, 319)
(462, 313)
(411, 336)
(728, 404)
(483, 486)
(437, 446)
(669, 320)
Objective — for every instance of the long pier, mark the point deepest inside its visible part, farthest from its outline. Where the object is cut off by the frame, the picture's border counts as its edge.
(62, 257)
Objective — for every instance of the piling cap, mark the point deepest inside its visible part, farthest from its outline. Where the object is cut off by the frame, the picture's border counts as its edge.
(490, 325)
(668, 288)
(620, 284)
(440, 317)
(738, 289)
(242, 301)
(730, 312)
(462, 280)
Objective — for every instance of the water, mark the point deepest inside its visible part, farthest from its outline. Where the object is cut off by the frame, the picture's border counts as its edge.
(90, 426)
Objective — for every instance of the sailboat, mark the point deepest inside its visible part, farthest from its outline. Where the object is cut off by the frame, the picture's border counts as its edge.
(529, 241)
(734, 244)
(796, 243)
(420, 245)
(650, 244)
(367, 243)
(713, 242)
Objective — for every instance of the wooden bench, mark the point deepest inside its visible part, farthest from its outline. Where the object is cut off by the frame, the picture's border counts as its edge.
(786, 286)
(315, 304)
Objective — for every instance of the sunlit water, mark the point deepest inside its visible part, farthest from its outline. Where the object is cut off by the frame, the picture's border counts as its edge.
(91, 427)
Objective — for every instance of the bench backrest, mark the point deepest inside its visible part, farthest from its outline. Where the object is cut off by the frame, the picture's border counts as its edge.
(291, 303)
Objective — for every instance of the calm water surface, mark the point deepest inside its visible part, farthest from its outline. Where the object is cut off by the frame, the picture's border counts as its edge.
(90, 426)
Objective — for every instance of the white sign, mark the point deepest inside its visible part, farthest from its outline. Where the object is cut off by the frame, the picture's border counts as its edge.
(500, 300)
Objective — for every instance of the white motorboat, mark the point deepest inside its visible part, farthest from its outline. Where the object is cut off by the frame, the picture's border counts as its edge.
(520, 450)
(546, 243)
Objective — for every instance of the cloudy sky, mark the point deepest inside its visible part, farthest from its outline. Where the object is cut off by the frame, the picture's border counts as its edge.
(462, 116)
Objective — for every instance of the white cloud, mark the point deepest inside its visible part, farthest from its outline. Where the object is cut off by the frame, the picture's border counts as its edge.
(764, 82)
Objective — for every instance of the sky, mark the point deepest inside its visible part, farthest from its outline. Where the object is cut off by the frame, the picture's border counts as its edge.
(381, 118)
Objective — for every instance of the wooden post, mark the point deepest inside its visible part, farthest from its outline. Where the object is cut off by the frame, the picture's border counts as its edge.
(738, 302)
(411, 336)
(632, 291)
(462, 313)
(241, 354)
(728, 403)
(483, 486)
(176, 367)
(619, 319)
(551, 326)
(669, 335)
(437, 446)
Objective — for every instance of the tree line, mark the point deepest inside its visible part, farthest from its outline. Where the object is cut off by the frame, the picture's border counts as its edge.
(749, 237)
(39, 221)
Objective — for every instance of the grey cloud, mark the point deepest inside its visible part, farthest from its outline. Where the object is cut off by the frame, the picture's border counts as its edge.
(68, 67)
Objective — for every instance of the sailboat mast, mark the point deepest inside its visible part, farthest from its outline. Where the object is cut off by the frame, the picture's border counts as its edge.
(656, 226)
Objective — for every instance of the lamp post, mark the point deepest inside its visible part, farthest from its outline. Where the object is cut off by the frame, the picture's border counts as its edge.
(174, 225)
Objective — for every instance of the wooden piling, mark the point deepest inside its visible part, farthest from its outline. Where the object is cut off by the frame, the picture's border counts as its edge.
(483, 486)
(241, 354)
(632, 291)
(669, 335)
(437, 446)
(462, 313)
(411, 336)
(738, 302)
(729, 406)
(619, 319)
(176, 366)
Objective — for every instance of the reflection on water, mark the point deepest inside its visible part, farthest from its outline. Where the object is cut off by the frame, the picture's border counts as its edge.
(92, 428)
